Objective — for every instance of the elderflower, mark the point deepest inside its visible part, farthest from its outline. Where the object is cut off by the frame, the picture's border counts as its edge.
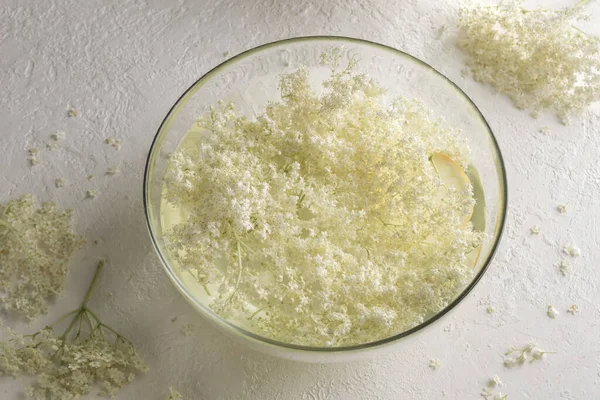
(59, 182)
(174, 395)
(52, 146)
(69, 365)
(562, 208)
(58, 135)
(91, 193)
(435, 363)
(320, 221)
(72, 113)
(34, 156)
(552, 312)
(495, 381)
(573, 309)
(528, 352)
(565, 267)
(116, 143)
(536, 57)
(571, 250)
(535, 230)
(113, 170)
(36, 245)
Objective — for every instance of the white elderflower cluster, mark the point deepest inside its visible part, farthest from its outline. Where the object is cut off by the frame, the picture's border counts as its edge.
(69, 365)
(323, 221)
(36, 245)
(530, 352)
(536, 57)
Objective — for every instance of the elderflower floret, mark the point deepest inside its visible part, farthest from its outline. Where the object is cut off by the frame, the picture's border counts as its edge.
(323, 221)
(116, 143)
(535, 230)
(536, 57)
(36, 245)
(69, 365)
(435, 363)
(571, 250)
(552, 312)
(574, 309)
(174, 395)
(529, 351)
(58, 136)
(565, 267)
(59, 182)
(113, 170)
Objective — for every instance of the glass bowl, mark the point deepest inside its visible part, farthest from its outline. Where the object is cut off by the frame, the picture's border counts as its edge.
(250, 81)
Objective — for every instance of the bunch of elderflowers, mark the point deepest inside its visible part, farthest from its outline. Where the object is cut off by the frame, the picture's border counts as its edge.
(68, 365)
(323, 221)
(536, 57)
(36, 245)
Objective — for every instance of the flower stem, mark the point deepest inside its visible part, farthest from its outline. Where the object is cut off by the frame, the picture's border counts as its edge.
(93, 284)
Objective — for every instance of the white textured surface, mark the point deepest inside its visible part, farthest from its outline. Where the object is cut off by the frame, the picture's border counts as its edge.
(122, 64)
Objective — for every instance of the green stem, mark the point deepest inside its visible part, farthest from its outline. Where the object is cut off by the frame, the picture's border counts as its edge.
(61, 319)
(63, 337)
(93, 284)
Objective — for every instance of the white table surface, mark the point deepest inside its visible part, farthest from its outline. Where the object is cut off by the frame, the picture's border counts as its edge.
(122, 64)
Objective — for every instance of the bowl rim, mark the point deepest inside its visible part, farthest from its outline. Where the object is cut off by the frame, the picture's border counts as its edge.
(207, 312)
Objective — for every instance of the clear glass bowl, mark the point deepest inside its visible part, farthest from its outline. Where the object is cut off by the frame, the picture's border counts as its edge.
(251, 79)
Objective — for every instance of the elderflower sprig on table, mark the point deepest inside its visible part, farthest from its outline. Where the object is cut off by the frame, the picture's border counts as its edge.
(536, 57)
(323, 221)
(68, 365)
(36, 245)
(528, 352)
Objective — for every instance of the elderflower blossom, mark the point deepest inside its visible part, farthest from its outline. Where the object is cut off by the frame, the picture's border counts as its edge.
(116, 143)
(535, 230)
(435, 363)
(536, 57)
(58, 136)
(565, 267)
(35, 247)
(552, 312)
(320, 221)
(573, 309)
(174, 395)
(67, 371)
(530, 351)
(571, 250)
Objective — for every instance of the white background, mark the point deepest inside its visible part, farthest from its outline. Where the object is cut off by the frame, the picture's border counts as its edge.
(122, 64)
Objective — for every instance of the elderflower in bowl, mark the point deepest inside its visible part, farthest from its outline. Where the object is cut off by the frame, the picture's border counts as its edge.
(321, 198)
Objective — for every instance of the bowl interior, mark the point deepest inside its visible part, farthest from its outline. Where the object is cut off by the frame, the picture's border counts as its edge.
(250, 81)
